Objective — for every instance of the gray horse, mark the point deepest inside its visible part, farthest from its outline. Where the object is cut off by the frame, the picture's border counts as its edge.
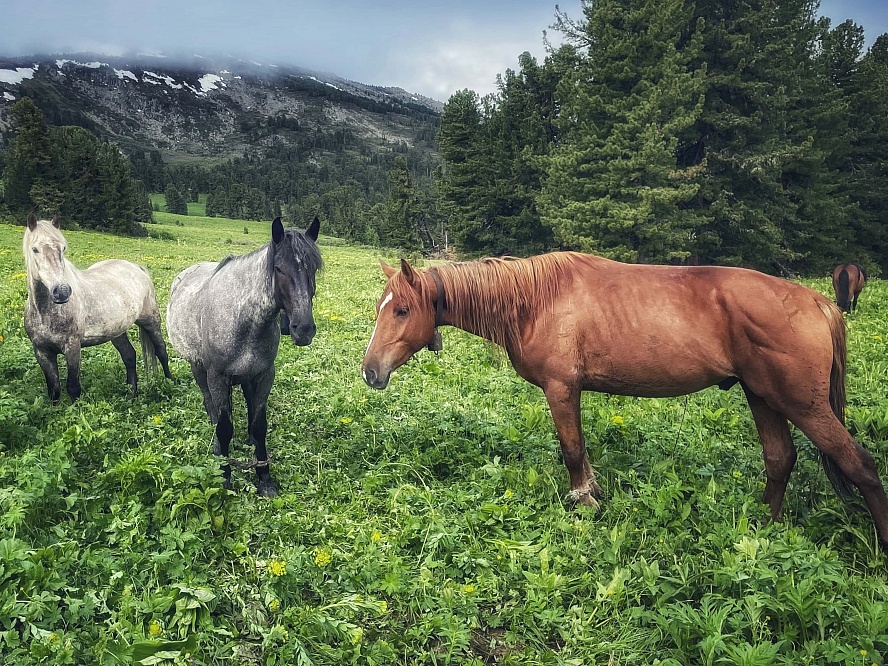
(68, 309)
(223, 319)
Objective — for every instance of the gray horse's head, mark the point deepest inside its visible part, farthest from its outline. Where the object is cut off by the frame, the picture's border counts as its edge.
(44, 248)
(295, 262)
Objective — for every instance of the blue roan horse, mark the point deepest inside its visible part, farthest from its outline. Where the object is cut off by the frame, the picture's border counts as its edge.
(223, 319)
(68, 309)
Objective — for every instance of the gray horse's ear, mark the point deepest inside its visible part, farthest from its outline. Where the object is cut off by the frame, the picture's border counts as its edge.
(56, 221)
(408, 272)
(32, 221)
(313, 229)
(277, 230)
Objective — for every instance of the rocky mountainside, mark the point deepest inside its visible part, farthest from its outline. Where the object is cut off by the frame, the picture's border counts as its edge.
(210, 108)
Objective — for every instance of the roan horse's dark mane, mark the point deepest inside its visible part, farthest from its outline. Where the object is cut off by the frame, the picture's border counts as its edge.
(303, 247)
(494, 297)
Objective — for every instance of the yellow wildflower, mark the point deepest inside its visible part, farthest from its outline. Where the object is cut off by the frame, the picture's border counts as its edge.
(277, 567)
(274, 605)
(157, 420)
(322, 557)
(375, 535)
(618, 420)
(154, 628)
(357, 634)
(509, 493)
(468, 589)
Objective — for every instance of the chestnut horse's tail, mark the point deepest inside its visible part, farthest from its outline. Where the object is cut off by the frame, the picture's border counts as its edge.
(843, 293)
(842, 485)
(148, 355)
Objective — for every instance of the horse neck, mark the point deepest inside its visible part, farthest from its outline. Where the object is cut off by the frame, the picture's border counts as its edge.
(256, 280)
(491, 313)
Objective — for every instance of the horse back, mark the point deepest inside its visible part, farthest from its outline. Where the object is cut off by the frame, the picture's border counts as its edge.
(665, 330)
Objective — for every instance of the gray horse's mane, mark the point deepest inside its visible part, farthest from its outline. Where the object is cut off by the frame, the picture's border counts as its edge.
(303, 248)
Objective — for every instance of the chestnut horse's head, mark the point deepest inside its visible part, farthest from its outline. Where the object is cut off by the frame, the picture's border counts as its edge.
(405, 323)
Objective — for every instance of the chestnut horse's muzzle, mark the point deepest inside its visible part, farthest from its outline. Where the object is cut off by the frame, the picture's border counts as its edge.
(374, 379)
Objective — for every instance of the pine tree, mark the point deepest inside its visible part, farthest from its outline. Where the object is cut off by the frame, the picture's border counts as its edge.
(614, 184)
(398, 226)
(175, 202)
(28, 163)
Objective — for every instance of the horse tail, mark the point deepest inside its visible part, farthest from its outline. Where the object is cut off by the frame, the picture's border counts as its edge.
(843, 294)
(148, 355)
(840, 483)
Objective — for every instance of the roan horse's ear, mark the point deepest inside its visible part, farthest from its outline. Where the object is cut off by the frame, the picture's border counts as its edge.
(408, 272)
(313, 229)
(388, 270)
(56, 221)
(277, 230)
(32, 221)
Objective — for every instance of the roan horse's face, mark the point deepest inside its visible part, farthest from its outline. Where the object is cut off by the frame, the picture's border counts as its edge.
(405, 323)
(44, 248)
(294, 283)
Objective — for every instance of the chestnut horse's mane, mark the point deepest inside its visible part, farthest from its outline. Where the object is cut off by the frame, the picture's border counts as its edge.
(494, 297)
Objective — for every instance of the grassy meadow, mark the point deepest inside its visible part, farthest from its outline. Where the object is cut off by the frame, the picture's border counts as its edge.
(424, 524)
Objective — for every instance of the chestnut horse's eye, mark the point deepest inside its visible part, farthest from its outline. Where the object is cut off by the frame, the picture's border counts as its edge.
(402, 312)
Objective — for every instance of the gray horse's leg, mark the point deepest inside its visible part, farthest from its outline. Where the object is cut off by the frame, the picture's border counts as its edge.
(49, 363)
(128, 354)
(72, 360)
(220, 396)
(256, 395)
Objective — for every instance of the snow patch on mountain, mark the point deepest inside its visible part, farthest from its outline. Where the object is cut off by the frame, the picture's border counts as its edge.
(17, 75)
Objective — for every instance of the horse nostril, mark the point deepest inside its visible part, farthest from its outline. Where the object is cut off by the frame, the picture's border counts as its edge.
(369, 376)
(61, 293)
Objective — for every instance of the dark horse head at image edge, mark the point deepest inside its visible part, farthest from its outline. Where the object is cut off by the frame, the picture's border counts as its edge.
(571, 322)
(224, 318)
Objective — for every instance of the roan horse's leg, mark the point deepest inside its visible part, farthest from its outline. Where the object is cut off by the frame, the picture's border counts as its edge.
(778, 451)
(256, 395)
(128, 354)
(217, 402)
(564, 402)
(49, 363)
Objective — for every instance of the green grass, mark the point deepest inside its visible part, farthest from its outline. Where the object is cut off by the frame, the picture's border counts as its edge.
(420, 525)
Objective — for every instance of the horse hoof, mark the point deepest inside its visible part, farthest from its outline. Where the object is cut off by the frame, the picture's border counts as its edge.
(267, 488)
(584, 497)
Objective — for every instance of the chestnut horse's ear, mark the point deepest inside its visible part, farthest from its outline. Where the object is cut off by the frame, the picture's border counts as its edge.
(408, 272)
(56, 221)
(313, 229)
(32, 221)
(277, 230)
(388, 270)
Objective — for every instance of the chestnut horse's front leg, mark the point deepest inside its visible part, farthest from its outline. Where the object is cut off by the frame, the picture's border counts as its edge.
(564, 402)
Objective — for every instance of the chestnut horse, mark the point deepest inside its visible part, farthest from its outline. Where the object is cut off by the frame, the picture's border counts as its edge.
(571, 322)
(848, 281)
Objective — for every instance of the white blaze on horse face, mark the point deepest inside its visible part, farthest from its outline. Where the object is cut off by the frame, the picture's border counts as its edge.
(386, 301)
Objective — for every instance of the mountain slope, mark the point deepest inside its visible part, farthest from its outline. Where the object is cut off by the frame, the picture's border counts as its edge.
(203, 108)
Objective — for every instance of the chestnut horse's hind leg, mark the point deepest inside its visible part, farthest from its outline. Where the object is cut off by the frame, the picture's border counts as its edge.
(256, 395)
(564, 402)
(830, 436)
(128, 354)
(778, 451)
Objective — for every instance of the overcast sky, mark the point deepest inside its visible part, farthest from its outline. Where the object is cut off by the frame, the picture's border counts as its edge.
(427, 46)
